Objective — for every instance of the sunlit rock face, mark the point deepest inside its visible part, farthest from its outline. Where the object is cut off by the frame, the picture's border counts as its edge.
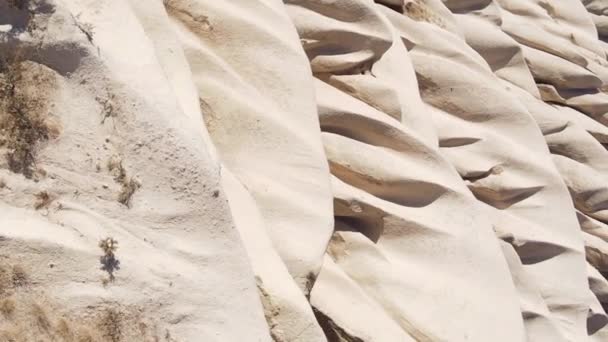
(303, 170)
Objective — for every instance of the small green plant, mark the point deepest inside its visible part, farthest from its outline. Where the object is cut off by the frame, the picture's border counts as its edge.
(108, 260)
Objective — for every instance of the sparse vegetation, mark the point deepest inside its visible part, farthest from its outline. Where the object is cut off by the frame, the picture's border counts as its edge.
(110, 325)
(129, 184)
(108, 246)
(19, 277)
(108, 260)
(29, 320)
(115, 166)
(12, 277)
(40, 317)
(28, 314)
(24, 121)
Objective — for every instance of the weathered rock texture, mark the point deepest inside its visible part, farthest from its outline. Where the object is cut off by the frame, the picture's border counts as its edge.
(304, 170)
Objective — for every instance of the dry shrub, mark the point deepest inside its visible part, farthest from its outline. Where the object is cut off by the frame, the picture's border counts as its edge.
(28, 314)
(108, 260)
(108, 245)
(107, 103)
(129, 184)
(40, 317)
(34, 318)
(24, 120)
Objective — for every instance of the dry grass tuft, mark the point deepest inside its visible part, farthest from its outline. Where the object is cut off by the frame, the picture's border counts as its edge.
(20, 277)
(28, 314)
(110, 325)
(115, 167)
(24, 119)
(7, 307)
(129, 186)
(12, 277)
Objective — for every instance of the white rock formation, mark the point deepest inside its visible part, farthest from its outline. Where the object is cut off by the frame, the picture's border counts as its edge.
(304, 170)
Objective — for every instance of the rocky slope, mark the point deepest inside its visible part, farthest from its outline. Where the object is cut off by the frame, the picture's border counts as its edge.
(303, 170)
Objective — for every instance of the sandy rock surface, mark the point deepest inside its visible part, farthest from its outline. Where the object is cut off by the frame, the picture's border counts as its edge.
(304, 170)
